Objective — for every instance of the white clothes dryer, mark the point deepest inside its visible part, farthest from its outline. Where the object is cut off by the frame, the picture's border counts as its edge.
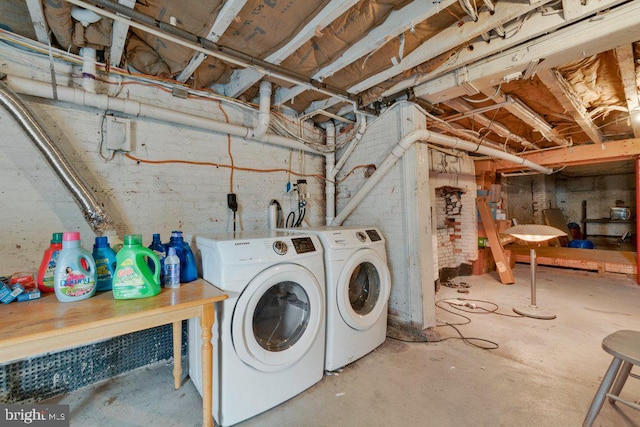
(358, 286)
(268, 335)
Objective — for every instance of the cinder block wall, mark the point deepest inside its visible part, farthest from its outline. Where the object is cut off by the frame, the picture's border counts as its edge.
(600, 192)
(526, 197)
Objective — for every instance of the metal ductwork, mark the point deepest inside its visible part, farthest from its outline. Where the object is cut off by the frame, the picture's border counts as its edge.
(91, 208)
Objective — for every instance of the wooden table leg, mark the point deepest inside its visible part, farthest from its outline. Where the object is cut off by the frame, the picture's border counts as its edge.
(206, 322)
(177, 354)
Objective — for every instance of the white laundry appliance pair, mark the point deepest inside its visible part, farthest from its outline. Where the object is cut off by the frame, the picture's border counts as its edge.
(269, 334)
(358, 285)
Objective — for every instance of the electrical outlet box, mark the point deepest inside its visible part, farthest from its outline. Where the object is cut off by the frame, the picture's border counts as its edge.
(118, 134)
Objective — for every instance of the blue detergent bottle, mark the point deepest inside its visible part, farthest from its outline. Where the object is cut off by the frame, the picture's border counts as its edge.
(188, 268)
(75, 275)
(160, 250)
(105, 259)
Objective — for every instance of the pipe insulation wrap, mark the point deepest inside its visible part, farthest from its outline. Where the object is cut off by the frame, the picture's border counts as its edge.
(90, 206)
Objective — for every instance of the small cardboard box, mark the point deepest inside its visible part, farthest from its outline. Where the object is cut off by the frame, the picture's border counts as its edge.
(8, 294)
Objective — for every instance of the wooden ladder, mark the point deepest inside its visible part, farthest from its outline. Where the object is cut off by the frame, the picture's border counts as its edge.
(502, 264)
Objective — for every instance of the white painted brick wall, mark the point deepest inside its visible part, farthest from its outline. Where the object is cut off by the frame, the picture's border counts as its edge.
(384, 206)
(142, 199)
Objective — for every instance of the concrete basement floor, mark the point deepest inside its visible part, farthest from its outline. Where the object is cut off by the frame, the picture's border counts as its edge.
(544, 373)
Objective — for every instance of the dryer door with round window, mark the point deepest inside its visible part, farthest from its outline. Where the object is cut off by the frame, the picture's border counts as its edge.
(278, 317)
(363, 289)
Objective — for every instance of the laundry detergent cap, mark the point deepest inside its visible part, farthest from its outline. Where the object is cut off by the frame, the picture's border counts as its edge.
(70, 236)
(133, 239)
(56, 238)
(101, 242)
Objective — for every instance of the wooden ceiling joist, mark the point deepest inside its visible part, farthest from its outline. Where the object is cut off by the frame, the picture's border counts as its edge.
(534, 24)
(448, 39)
(119, 36)
(565, 95)
(570, 156)
(462, 107)
(526, 114)
(627, 67)
(39, 22)
(464, 133)
(588, 37)
(396, 23)
(241, 80)
(225, 17)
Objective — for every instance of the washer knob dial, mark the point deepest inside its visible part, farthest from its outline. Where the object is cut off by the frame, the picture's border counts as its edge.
(361, 236)
(280, 247)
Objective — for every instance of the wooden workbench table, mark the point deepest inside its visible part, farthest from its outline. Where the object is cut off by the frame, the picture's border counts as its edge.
(43, 325)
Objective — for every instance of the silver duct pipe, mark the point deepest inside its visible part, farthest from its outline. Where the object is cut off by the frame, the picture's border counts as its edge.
(91, 209)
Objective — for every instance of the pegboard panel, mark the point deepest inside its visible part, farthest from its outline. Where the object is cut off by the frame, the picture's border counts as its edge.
(44, 376)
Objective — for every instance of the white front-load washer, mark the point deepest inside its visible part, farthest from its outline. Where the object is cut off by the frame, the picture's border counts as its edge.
(268, 335)
(358, 286)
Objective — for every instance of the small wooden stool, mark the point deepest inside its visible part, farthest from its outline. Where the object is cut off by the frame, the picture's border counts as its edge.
(625, 348)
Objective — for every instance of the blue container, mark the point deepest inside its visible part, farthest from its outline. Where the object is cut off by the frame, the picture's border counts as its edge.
(160, 249)
(581, 244)
(188, 268)
(105, 259)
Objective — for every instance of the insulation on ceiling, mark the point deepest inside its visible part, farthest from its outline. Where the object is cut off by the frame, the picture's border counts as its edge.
(144, 59)
(58, 16)
(595, 80)
(263, 26)
(334, 39)
(211, 70)
(597, 83)
(194, 17)
(14, 17)
(97, 35)
(393, 50)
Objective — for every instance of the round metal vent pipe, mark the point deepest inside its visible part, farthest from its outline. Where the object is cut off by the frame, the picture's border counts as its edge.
(90, 206)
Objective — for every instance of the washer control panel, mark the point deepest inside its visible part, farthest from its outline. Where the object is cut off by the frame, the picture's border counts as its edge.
(303, 245)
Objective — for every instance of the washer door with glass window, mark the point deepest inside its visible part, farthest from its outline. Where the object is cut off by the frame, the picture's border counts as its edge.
(277, 317)
(362, 290)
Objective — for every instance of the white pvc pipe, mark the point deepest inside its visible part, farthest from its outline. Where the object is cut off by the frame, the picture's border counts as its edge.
(88, 69)
(330, 185)
(352, 146)
(138, 109)
(264, 113)
(435, 138)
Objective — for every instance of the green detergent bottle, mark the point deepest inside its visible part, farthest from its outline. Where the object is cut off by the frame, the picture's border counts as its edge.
(133, 277)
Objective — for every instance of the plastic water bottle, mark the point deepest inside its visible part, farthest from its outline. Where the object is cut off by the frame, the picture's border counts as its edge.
(188, 268)
(160, 250)
(75, 276)
(172, 269)
(105, 259)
